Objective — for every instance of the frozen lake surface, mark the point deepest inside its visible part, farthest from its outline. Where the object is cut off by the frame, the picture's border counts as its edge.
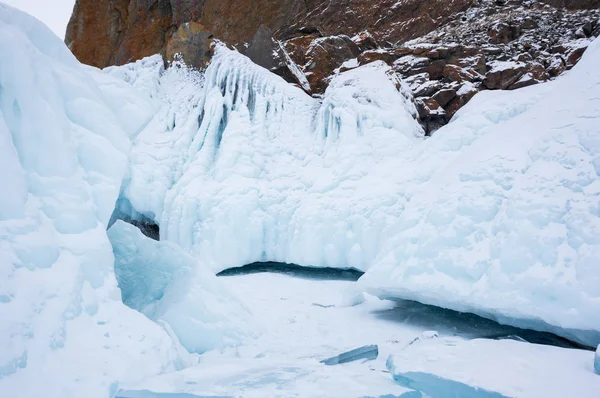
(307, 317)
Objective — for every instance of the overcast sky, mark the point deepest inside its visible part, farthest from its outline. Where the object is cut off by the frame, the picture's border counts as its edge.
(54, 13)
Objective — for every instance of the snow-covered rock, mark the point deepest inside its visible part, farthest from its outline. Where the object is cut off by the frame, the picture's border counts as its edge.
(167, 284)
(64, 331)
(509, 228)
(490, 368)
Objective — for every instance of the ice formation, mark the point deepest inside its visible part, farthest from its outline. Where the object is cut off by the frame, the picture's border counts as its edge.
(497, 214)
(510, 228)
(167, 284)
(63, 154)
(489, 368)
(249, 168)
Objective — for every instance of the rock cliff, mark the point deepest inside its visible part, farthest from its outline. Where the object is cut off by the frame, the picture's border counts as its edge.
(446, 50)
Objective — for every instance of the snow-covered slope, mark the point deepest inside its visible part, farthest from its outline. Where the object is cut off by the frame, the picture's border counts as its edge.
(243, 167)
(510, 228)
(64, 331)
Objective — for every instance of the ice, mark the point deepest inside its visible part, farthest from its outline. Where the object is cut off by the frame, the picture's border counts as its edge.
(368, 352)
(63, 154)
(167, 284)
(508, 228)
(489, 368)
(496, 214)
(597, 360)
(240, 167)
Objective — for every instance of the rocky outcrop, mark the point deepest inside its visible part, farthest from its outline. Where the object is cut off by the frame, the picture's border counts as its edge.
(192, 44)
(446, 50)
(574, 4)
(112, 32)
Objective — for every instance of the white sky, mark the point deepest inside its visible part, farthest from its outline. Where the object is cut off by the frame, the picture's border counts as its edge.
(54, 13)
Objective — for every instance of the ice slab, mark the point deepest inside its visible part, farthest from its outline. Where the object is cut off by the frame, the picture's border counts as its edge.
(489, 368)
(368, 352)
(167, 284)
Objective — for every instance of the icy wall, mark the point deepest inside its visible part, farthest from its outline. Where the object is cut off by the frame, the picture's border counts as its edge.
(510, 228)
(240, 167)
(64, 331)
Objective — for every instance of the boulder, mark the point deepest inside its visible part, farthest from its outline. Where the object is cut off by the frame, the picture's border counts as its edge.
(267, 52)
(365, 41)
(444, 96)
(324, 56)
(193, 44)
(458, 74)
(463, 95)
(503, 74)
(503, 33)
(431, 115)
(574, 55)
(556, 66)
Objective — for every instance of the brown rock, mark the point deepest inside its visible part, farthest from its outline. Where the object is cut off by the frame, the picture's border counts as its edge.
(475, 63)
(375, 55)
(427, 88)
(324, 56)
(503, 33)
(115, 32)
(267, 52)
(537, 71)
(436, 69)
(574, 56)
(463, 95)
(503, 74)
(455, 73)
(111, 32)
(556, 66)
(444, 96)
(193, 44)
(365, 41)
(431, 115)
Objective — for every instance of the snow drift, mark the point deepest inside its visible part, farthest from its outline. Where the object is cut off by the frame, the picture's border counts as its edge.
(63, 153)
(510, 227)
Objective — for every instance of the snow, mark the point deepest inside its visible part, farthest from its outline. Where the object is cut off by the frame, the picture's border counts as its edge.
(509, 228)
(166, 284)
(490, 368)
(63, 154)
(239, 166)
(497, 214)
(305, 321)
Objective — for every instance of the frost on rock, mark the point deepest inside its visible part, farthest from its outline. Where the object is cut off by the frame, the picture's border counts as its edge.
(240, 167)
(63, 153)
(510, 228)
(166, 284)
(490, 368)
